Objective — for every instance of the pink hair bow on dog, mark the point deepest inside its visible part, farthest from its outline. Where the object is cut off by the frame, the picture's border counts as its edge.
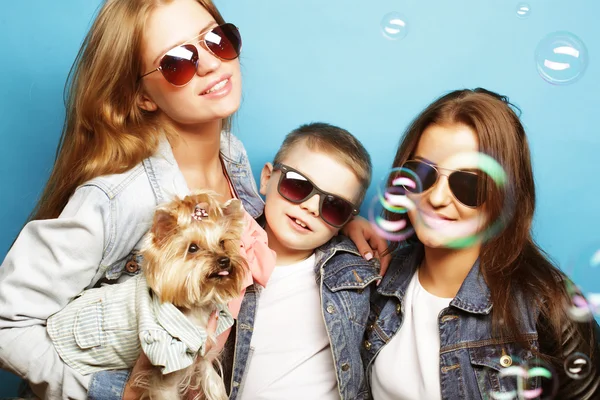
(200, 212)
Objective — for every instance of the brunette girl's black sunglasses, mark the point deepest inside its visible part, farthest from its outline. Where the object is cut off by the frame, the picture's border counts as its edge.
(463, 184)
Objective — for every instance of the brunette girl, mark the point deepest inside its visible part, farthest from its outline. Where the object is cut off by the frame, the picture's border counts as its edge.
(485, 320)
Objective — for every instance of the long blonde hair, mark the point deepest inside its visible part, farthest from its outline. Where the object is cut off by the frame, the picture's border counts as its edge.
(105, 132)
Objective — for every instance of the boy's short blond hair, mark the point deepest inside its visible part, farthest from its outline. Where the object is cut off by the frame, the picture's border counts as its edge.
(336, 142)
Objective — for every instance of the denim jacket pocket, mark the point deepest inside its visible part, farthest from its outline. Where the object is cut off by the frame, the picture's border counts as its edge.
(502, 370)
(356, 277)
(88, 326)
(348, 288)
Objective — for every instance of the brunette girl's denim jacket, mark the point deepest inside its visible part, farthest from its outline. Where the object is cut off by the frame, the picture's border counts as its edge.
(470, 358)
(94, 241)
(474, 364)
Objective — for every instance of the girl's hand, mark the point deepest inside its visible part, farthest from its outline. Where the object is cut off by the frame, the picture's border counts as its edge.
(132, 392)
(368, 243)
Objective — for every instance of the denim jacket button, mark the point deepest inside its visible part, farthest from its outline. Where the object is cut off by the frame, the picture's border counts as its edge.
(505, 361)
(330, 309)
(236, 384)
(132, 266)
(368, 345)
(398, 308)
(345, 367)
(370, 327)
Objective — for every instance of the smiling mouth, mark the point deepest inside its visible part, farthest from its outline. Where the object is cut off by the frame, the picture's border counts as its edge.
(218, 86)
(435, 219)
(300, 223)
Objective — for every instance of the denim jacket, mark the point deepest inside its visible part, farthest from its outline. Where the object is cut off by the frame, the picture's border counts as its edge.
(470, 358)
(345, 280)
(93, 241)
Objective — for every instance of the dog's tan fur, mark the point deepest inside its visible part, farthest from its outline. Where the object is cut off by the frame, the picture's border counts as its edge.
(189, 280)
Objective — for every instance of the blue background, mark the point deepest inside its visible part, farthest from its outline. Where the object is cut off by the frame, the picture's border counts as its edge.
(310, 60)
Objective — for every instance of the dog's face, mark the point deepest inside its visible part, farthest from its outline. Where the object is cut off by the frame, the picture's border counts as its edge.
(192, 253)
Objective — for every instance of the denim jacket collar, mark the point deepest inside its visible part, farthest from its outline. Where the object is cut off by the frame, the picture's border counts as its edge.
(337, 243)
(473, 295)
(168, 180)
(353, 274)
(228, 152)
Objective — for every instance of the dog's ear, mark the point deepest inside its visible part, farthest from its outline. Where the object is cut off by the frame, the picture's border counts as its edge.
(233, 209)
(164, 224)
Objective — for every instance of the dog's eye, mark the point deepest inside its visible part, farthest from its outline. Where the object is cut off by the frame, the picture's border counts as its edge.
(193, 248)
(222, 243)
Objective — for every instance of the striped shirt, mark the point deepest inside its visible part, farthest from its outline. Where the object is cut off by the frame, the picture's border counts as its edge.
(106, 328)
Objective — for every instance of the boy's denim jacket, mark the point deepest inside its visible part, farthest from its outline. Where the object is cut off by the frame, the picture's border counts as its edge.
(344, 277)
(471, 360)
(94, 241)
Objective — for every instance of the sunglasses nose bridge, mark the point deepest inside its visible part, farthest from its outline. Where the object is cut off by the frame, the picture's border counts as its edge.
(439, 193)
(312, 203)
(206, 61)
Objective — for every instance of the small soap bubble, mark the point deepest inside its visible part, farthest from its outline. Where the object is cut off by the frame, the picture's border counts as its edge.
(394, 26)
(533, 379)
(561, 58)
(388, 211)
(523, 10)
(578, 366)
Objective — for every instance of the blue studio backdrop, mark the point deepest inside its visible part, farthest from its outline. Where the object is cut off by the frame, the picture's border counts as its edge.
(369, 67)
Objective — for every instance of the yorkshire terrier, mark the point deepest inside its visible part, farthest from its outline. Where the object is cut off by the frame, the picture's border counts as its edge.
(192, 267)
(192, 260)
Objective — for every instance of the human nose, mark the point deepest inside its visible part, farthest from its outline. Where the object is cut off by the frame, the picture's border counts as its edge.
(440, 194)
(312, 204)
(207, 62)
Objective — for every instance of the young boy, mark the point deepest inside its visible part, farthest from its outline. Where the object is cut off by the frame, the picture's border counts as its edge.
(300, 337)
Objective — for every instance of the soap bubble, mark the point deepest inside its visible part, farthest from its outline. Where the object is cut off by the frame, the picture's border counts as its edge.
(392, 200)
(561, 58)
(523, 10)
(393, 26)
(578, 366)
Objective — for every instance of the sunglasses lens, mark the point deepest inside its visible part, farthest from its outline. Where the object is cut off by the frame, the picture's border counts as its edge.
(424, 172)
(294, 187)
(464, 186)
(336, 211)
(224, 41)
(178, 66)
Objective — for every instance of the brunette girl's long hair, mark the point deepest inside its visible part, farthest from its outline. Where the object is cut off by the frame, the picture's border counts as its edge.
(511, 260)
(105, 132)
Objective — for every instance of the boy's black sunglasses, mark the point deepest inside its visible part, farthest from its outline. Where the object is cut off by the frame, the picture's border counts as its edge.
(296, 188)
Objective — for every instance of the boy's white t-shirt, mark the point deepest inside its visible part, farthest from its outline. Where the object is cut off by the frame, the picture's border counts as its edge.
(290, 356)
(408, 367)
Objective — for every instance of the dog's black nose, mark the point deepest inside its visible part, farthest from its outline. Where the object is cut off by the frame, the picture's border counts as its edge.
(223, 262)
